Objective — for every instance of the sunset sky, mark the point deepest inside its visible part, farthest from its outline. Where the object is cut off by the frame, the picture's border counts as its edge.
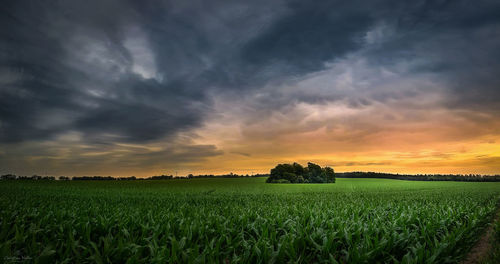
(145, 88)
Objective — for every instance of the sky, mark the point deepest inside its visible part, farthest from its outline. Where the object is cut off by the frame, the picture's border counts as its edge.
(121, 88)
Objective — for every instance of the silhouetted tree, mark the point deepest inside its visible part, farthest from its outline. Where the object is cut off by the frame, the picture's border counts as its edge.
(295, 173)
(330, 174)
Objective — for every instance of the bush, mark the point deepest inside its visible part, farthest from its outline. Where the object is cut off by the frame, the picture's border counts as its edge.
(292, 177)
(300, 179)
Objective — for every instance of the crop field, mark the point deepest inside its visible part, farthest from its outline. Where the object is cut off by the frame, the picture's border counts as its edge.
(242, 220)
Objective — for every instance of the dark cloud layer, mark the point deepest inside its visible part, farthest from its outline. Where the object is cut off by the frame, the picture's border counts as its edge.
(455, 39)
(309, 35)
(132, 71)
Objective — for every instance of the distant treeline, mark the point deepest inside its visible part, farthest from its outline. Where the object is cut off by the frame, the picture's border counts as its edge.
(131, 178)
(34, 177)
(356, 174)
(421, 177)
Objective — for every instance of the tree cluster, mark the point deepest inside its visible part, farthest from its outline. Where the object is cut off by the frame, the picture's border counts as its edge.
(296, 173)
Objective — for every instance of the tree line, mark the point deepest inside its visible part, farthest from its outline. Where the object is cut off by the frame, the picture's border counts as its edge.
(421, 177)
(296, 173)
(110, 178)
(293, 173)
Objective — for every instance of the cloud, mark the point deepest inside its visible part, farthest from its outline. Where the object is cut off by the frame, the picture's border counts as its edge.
(72, 154)
(455, 40)
(153, 73)
(140, 74)
(309, 35)
(241, 153)
(159, 61)
(360, 164)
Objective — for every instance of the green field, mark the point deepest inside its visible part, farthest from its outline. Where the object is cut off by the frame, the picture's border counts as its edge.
(242, 220)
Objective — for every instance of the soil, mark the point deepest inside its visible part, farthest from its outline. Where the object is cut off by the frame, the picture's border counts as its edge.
(483, 246)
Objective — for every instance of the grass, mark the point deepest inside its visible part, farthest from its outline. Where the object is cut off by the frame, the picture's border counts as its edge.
(242, 220)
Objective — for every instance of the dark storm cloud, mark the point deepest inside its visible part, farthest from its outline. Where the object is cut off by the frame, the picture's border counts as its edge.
(42, 78)
(309, 35)
(73, 66)
(456, 40)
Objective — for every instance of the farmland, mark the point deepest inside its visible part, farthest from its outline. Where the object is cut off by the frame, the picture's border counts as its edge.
(242, 220)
